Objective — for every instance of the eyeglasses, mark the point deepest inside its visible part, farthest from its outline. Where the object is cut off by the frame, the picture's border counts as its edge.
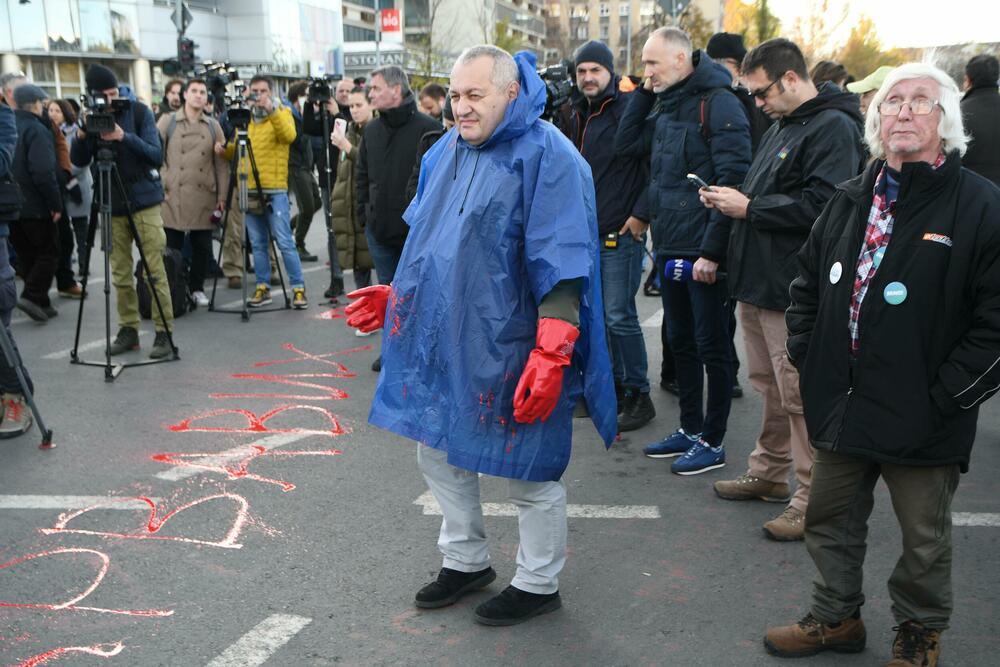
(918, 107)
(762, 93)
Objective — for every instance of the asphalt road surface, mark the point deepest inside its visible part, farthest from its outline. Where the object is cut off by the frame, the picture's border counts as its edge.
(234, 508)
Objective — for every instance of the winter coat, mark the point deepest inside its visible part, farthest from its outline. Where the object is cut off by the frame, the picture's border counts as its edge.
(426, 141)
(759, 121)
(981, 113)
(799, 163)
(270, 139)
(672, 135)
(385, 162)
(300, 153)
(194, 177)
(923, 367)
(8, 144)
(138, 157)
(493, 229)
(84, 180)
(620, 181)
(35, 166)
(352, 246)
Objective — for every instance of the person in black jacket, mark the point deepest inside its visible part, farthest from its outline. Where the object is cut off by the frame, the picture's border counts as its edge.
(727, 49)
(815, 144)
(981, 111)
(301, 181)
(35, 235)
(138, 154)
(696, 127)
(387, 155)
(894, 325)
(620, 183)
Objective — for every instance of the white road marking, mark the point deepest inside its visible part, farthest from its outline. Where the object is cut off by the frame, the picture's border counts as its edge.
(258, 645)
(431, 508)
(178, 473)
(85, 347)
(26, 502)
(654, 321)
(975, 519)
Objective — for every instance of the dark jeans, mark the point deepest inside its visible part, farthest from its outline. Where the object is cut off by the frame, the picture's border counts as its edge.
(37, 245)
(201, 253)
(80, 224)
(732, 340)
(303, 186)
(8, 299)
(64, 268)
(697, 317)
(621, 274)
(386, 258)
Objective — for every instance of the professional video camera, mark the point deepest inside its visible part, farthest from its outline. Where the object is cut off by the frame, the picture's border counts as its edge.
(101, 111)
(237, 108)
(217, 76)
(558, 88)
(319, 88)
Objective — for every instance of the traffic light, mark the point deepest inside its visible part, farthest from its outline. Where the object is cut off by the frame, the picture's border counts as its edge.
(185, 54)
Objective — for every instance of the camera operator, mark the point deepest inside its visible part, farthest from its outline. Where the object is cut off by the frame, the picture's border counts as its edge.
(135, 143)
(271, 132)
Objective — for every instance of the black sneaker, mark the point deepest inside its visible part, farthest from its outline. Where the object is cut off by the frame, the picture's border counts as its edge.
(126, 341)
(377, 365)
(639, 411)
(451, 585)
(305, 255)
(515, 606)
(50, 312)
(161, 346)
(670, 386)
(622, 396)
(32, 310)
(737, 391)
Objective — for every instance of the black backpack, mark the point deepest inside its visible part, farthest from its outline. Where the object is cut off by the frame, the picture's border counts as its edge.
(176, 269)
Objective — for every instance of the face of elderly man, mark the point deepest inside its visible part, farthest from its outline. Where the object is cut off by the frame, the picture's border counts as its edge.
(477, 104)
(909, 136)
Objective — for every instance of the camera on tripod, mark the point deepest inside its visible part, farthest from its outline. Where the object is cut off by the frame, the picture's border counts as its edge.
(101, 111)
(237, 106)
(217, 77)
(319, 88)
(558, 88)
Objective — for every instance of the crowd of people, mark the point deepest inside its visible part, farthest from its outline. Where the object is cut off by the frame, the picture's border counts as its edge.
(849, 229)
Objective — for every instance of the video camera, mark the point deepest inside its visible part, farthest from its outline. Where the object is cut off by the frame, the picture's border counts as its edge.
(237, 109)
(319, 88)
(101, 111)
(217, 76)
(558, 88)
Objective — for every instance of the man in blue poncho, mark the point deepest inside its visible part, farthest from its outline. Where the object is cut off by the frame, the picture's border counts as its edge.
(494, 329)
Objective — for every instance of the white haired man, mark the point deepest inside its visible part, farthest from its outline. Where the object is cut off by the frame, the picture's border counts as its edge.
(495, 329)
(895, 328)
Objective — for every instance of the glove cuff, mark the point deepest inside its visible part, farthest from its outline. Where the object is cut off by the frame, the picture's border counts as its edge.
(556, 336)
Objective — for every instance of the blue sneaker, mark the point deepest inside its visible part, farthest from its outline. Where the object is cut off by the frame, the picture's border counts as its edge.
(674, 444)
(702, 457)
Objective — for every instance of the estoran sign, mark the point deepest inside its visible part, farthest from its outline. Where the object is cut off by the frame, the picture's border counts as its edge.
(367, 59)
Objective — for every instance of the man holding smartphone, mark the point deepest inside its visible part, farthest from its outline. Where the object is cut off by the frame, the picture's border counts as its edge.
(685, 119)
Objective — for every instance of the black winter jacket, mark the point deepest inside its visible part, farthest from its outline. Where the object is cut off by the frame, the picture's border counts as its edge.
(426, 143)
(759, 121)
(800, 161)
(300, 153)
(619, 181)
(912, 394)
(35, 166)
(981, 113)
(138, 157)
(672, 136)
(385, 161)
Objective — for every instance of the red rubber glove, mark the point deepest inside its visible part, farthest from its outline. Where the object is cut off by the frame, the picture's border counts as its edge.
(541, 381)
(368, 312)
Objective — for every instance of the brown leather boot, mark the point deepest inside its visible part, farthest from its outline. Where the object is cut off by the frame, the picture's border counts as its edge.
(788, 526)
(810, 636)
(748, 487)
(915, 645)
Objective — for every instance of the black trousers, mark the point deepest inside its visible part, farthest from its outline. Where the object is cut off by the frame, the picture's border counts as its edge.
(67, 237)
(37, 244)
(201, 253)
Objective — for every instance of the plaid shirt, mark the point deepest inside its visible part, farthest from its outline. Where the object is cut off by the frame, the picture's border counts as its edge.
(877, 235)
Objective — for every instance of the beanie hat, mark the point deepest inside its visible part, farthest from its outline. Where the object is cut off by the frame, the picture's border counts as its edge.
(99, 77)
(596, 52)
(726, 45)
(28, 93)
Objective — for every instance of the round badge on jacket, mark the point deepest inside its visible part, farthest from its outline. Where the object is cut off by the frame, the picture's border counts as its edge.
(836, 271)
(894, 293)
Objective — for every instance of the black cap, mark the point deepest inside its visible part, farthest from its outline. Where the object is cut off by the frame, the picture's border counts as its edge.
(28, 93)
(596, 52)
(99, 77)
(726, 45)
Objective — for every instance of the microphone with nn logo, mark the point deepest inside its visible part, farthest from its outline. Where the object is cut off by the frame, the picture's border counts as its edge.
(679, 271)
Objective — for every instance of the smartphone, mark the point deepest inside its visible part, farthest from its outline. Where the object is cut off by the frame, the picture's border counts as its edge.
(340, 126)
(696, 180)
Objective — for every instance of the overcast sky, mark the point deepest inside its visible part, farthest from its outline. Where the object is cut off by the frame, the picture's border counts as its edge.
(911, 22)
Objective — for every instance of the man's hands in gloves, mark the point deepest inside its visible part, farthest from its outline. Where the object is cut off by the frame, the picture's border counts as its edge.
(541, 381)
(368, 312)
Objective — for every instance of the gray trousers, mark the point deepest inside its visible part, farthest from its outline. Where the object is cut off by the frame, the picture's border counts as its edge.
(840, 503)
(541, 520)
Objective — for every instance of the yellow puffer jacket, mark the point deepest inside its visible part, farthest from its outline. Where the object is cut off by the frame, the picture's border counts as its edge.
(270, 140)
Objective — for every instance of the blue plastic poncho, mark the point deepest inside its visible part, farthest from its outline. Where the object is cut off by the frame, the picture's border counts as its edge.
(492, 229)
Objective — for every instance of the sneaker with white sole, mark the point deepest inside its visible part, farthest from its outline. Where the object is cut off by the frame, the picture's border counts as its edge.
(17, 417)
(362, 334)
(702, 457)
(674, 444)
(261, 297)
(200, 298)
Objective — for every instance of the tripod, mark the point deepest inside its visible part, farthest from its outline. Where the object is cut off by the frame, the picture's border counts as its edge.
(14, 359)
(108, 177)
(336, 273)
(243, 160)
